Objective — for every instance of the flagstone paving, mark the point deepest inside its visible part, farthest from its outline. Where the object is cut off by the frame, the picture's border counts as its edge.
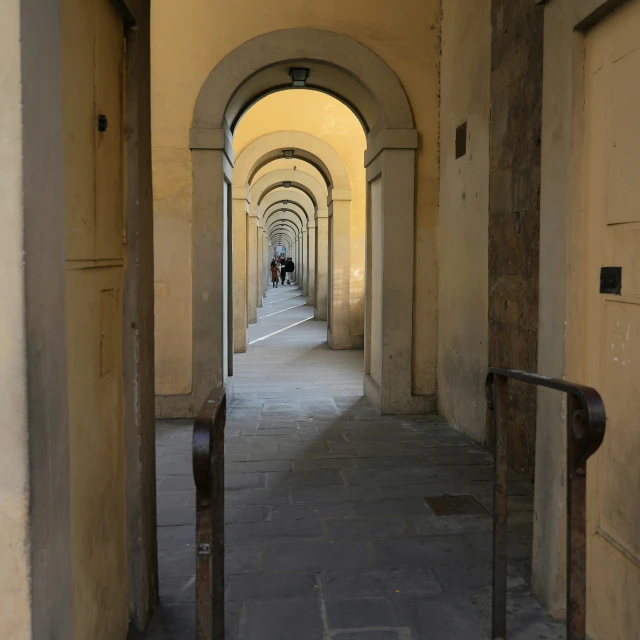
(328, 534)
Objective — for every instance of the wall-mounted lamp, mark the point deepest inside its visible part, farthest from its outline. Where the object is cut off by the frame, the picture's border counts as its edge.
(298, 77)
(286, 185)
(288, 153)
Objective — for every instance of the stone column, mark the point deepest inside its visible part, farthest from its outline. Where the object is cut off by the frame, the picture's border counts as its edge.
(253, 270)
(390, 162)
(322, 264)
(240, 281)
(293, 255)
(212, 155)
(311, 272)
(266, 260)
(304, 279)
(339, 269)
(259, 264)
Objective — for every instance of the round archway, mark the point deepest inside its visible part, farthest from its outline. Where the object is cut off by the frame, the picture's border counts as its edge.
(326, 250)
(346, 69)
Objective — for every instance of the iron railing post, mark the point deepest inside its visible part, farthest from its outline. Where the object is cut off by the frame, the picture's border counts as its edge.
(500, 416)
(208, 473)
(576, 523)
(586, 422)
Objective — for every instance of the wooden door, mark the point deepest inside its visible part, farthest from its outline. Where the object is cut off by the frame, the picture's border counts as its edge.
(93, 108)
(611, 337)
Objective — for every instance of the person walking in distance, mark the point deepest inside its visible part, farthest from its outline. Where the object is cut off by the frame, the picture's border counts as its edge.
(289, 268)
(275, 273)
(283, 270)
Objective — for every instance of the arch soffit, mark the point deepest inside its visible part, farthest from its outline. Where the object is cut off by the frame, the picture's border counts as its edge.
(286, 226)
(287, 195)
(299, 180)
(284, 164)
(292, 207)
(339, 65)
(295, 190)
(307, 147)
(281, 237)
(292, 216)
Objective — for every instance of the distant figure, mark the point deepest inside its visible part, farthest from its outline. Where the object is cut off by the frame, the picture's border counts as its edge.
(283, 270)
(274, 274)
(289, 269)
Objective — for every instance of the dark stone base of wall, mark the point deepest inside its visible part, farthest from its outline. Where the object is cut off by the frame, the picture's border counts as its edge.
(514, 209)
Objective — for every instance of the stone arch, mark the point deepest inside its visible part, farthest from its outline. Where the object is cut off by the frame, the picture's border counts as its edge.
(296, 222)
(286, 214)
(280, 196)
(282, 164)
(306, 147)
(286, 228)
(338, 65)
(316, 274)
(282, 231)
(318, 192)
(298, 180)
(282, 236)
(359, 78)
(313, 252)
(291, 206)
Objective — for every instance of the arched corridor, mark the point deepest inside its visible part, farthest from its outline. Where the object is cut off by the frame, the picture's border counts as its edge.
(450, 358)
(328, 534)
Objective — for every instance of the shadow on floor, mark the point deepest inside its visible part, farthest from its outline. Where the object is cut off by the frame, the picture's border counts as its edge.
(328, 534)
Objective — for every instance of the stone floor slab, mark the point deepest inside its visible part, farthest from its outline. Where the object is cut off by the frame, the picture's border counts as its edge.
(328, 536)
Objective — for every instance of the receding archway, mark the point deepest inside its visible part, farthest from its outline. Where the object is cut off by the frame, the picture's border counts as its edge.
(348, 70)
(328, 241)
(316, 189)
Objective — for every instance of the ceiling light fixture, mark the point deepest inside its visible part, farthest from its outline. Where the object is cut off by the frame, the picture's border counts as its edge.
(298, 76)
(286, 185)
(288, 153)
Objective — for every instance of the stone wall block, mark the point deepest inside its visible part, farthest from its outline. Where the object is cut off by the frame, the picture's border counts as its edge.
(500, 192)
(521, 188)
(507, 233)
(514, 208)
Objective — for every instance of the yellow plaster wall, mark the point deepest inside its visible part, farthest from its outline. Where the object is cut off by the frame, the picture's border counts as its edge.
(15, 597)
(324, 117)
(464, 201)
(188, 40)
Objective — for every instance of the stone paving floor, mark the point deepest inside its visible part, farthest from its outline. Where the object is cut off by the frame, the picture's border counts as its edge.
(328, 534)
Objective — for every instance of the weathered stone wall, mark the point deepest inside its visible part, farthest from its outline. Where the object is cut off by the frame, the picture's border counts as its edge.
(514, 208)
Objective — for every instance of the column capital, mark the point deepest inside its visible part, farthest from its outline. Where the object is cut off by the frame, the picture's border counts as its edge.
(212, 140)
(389, 139)
(338, 194)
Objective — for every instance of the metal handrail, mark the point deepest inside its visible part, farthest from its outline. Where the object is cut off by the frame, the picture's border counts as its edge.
(208, 474)
(586, 420)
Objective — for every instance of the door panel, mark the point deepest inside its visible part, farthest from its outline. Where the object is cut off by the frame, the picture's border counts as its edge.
(611, 336)
(109, 144)
(78, 76)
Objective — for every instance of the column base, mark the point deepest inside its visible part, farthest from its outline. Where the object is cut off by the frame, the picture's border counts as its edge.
(345, 343)
(407, 405)
(183, 405)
